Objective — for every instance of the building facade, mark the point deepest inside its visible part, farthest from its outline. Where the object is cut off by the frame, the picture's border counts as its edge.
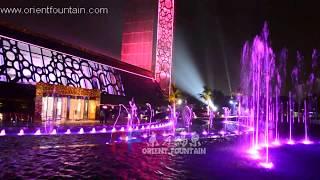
(58, 81)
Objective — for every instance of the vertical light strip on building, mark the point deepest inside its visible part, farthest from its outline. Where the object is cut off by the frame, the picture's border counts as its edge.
(164, 44)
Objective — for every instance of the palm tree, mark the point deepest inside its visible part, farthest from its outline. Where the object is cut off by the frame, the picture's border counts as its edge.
(174, 95)
(206, 95)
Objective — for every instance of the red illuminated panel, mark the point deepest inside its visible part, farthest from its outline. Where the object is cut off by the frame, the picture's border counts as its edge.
(137, 37)
(164, 44)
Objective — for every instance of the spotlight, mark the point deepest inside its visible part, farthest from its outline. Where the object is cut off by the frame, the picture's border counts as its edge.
(179, 101)
(214, 108)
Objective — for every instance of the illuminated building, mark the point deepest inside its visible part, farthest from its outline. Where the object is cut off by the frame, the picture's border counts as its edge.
(58, 81)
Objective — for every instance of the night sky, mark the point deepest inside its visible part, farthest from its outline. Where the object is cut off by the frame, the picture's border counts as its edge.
(212, 31)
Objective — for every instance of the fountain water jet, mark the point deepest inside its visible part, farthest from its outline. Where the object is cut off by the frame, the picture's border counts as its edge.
(68, 131)
(103, 130)
(38, 132)
(81, 131)
(21, 132)
(93, 131)
(53, 132)
(3, 132)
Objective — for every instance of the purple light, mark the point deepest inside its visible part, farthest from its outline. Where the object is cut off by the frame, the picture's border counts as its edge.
(38, 132)
(122, 129)
(21, 132)
(81, 131)
(3, 132)
(68, 131)
(53, 132)
(113, 130)
(142, 128)
(144, 135)
(267, 165)
(222, 133)
(307, 141)
(254, 153)
(103, 130)
(291, 142)
(126, 138)
(276, 143)
(183, 133)
(205, 133)
(130, 129)
(93, 131)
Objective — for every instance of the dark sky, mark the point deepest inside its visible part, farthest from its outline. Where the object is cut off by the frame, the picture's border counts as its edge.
(213, 31)
(100, 33)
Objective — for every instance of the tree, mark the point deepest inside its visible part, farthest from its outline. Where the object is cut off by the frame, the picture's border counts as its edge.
(174, 95)
(206, 95)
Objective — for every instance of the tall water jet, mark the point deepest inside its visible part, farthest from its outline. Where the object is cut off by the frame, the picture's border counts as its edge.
(151, 114)
(258, 95)
(290, 119)
(133, 114)
(187, 116)
(306, 138)
(280, 74)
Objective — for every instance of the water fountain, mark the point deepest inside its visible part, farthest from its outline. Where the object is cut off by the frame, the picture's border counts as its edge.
(93, 131)
(187, 117)
(68, 131)
(119, 113)
(262, 80)
(53, 132)
(151, 113)
(3, 132)
(260, 74)
(81, 131)
(21, 132)
(38, 132)
(133, 115)
(103, 130)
